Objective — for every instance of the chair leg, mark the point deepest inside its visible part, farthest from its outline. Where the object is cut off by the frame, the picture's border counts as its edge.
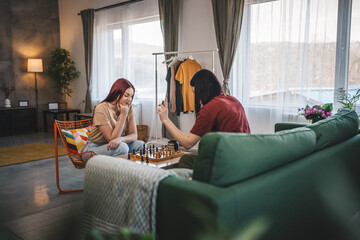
(61, 191)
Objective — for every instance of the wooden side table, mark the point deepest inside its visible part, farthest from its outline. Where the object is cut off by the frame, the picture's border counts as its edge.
(80, 116)
(55, 113)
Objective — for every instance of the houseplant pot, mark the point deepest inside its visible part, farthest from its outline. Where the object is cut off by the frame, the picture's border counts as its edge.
(62, 71)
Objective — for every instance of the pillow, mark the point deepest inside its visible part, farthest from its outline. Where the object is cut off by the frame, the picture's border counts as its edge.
(76, 139)
(228, 158)
(342, 125)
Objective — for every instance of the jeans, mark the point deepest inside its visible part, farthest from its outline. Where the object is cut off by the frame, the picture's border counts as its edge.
(121, 149)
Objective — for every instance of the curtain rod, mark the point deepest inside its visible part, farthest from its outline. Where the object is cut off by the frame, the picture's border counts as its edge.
(115, 5)
(174, 52)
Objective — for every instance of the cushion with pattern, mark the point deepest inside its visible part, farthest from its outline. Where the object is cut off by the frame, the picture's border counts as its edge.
(76, 139)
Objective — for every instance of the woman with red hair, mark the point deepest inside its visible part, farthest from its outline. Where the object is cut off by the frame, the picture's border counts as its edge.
(114, 128)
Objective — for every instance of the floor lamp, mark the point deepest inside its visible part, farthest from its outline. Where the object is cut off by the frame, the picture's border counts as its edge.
(35, 65)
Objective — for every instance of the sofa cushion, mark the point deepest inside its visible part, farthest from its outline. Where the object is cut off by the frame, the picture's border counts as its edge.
(342, 125)
(227, 158)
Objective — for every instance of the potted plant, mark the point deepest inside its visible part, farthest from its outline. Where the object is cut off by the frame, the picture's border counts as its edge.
(62, 71)
(346, 99)
(7, 90)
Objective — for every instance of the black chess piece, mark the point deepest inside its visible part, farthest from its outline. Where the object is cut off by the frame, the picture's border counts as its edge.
(134, 151)
(176, 146)
(147, 159)
(128, 155)
(142, 158)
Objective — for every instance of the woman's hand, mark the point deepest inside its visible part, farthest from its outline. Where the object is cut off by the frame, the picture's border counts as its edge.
(123, 109)
(163, 111)
(114, 143)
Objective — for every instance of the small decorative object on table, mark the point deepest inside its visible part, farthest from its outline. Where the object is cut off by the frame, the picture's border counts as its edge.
(316, 112)
(23, 103)
(7, 90)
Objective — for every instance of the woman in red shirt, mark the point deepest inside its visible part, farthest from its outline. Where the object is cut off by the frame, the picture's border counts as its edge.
(215, 112)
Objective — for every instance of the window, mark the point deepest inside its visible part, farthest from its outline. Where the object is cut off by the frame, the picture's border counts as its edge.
(354, 56)
(124, 41)
(285, 59)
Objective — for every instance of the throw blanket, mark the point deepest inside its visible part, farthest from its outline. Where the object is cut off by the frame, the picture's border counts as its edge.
(120, 193)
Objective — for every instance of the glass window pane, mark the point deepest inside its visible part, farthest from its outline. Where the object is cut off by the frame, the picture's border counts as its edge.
(290, 47)
(145, 38)
(354, 57)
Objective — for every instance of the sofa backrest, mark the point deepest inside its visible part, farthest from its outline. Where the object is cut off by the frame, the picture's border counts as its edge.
(342, 125)
(228, 158)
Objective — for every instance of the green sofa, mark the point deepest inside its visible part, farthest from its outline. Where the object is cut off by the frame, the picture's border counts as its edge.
(302, 182)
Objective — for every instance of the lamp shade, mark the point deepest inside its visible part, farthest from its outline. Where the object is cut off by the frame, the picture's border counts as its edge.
(35, 65)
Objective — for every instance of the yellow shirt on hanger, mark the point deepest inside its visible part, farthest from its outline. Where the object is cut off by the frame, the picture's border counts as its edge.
(184, 74)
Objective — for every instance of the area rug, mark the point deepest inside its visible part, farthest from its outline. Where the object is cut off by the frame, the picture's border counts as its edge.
(28, 152)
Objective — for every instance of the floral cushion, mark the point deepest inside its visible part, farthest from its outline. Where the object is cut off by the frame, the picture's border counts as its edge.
(76, 139)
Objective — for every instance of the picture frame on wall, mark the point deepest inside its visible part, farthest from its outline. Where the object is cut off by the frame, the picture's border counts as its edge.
(23, 103)
(53, 106)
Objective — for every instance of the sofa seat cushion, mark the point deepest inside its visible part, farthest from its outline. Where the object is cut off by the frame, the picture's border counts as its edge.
(342, 125)
(227, 158)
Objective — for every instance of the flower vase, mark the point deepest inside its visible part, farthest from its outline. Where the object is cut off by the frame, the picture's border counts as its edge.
(7, 103)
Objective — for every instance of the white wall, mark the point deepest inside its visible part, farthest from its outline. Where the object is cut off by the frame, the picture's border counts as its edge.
(196, 33)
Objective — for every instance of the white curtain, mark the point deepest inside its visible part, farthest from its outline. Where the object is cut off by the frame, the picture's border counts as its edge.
(285, 59)
(124, 39)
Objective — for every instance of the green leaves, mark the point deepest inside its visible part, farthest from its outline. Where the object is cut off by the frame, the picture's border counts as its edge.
(328, 107)
(62, 71)
(346, 99)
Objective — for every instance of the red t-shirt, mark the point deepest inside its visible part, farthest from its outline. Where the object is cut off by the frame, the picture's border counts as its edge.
(223, 113)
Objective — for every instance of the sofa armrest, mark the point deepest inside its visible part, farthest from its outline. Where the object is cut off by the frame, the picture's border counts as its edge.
(187, 208)
(287, 126)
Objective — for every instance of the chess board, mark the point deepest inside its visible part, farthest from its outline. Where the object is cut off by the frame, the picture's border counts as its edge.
(163, 154)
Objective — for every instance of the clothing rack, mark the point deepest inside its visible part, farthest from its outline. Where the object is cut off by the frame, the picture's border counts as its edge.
(172, 53)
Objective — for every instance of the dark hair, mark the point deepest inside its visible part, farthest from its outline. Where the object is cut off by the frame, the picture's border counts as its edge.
(207, 86)
(118, 89)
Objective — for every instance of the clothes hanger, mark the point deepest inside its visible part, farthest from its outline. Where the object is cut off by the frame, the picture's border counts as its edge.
(169, 60)
(191, 57)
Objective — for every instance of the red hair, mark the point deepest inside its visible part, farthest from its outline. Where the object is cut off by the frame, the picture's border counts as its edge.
(118, 89)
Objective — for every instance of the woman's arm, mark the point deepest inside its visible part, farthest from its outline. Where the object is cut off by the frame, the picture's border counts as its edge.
(187, 141)
(111, 133)
(132, 132)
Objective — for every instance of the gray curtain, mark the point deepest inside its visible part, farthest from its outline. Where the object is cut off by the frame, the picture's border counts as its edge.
(227, 20)
(87, 17)
(169, 22)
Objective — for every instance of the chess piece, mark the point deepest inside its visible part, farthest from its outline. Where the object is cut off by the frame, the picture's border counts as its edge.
(129, 156)
(176, 146)
(147, 159)
(142, 158)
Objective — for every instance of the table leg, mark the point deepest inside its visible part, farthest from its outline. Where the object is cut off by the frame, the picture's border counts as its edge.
(45, 122)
